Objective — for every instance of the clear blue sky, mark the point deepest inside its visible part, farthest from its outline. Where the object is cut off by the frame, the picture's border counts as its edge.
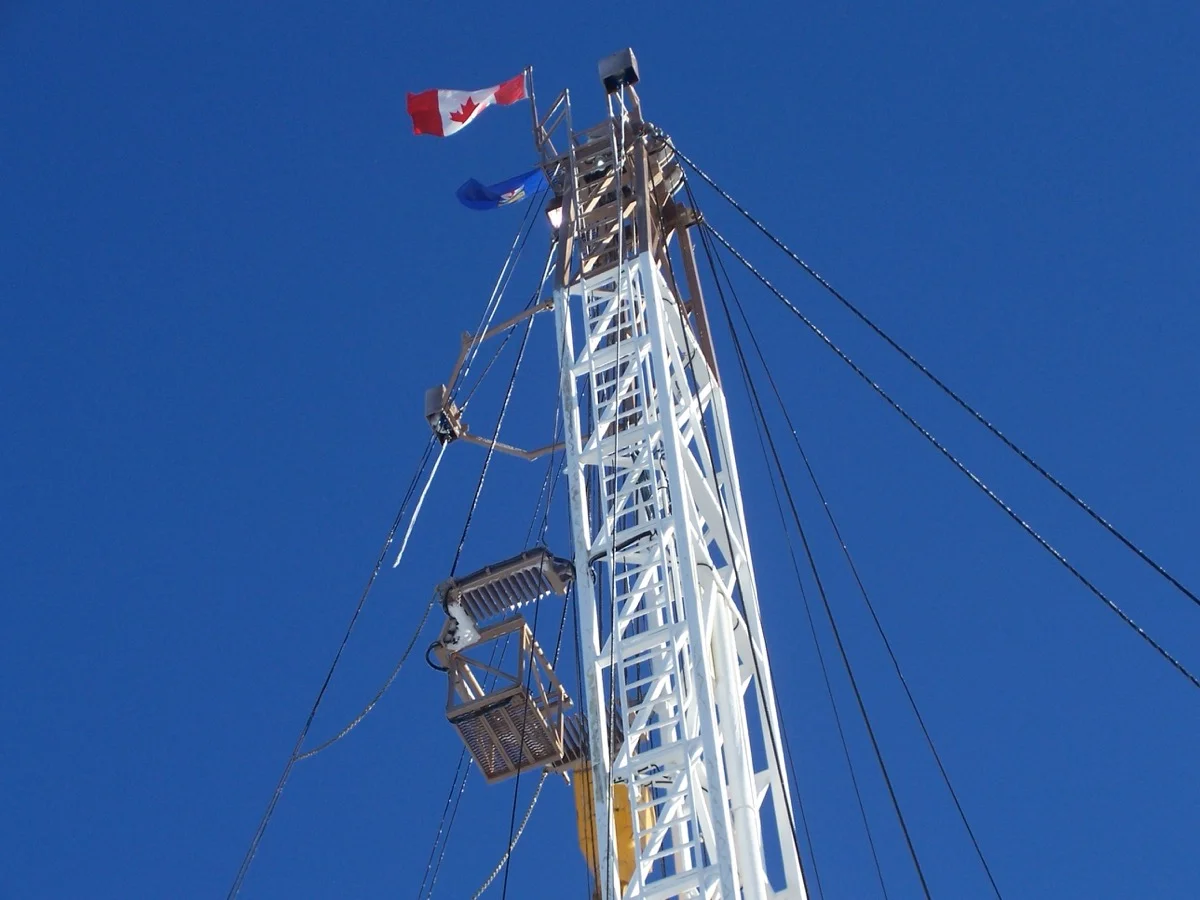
(228, 272)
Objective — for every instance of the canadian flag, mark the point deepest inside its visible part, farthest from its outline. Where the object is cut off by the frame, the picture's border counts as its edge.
(442, 113)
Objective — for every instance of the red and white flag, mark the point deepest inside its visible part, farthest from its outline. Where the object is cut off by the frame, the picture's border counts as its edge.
(442, 113)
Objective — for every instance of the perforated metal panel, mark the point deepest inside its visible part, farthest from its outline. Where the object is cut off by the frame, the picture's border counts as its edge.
(510, 718)
(508, 735)
(506, 586)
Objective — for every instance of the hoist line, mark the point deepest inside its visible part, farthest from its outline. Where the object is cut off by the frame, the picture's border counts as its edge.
(713, 259)
(508, 333)
(726, 462)
(783, 729)
(514, 836)
(512, 816)
(493, 304)
(502, 284)
(591, 882)
(457, 785)
(354, 723)
(761, 418)
(867, 601)
(513, 840)
(995, 498)
(593, 833)
(497, 295)
(421, 500)
(491, 450)
(545, 526)
(924, 370)
(547, 492)
(294, 756)
(486, 370)
(618, 146)
(812, 626)
(443, 825)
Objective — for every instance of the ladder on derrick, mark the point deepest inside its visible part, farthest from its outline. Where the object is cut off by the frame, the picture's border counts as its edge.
(673, 649)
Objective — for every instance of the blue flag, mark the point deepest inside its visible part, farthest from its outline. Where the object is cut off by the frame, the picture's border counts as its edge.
(474, 195)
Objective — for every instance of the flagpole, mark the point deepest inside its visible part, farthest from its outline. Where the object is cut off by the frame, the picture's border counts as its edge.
(532, 103)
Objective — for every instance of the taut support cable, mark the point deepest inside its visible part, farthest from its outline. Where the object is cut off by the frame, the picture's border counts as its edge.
(497, 295)
(712, 259)
(866, 598)
(763, 430)
(924, 370)
(838, 637)
(1008, 510)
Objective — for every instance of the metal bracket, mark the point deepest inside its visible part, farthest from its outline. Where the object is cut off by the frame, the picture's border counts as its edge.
(445, 419)
(444, 415)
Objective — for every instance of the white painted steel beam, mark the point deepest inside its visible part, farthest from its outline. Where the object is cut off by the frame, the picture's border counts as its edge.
(676, 679)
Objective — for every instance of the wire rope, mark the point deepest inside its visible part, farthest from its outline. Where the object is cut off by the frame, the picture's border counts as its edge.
(497, 295)
(610, 520)
(867, 601)
(726, 462)
(513, 841)
(513, 837)
(491, 450)
(838, 641)
(294, 756)
(995, 498)
(449, 809)
(945, 388)
(837, 718)
(444, 827)
(713, 259)
(547, 492)
(489, 312)
(459, 783)
(357, 720)
(512, 818)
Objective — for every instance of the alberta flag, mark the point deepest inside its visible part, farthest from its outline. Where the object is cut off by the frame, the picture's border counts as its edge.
(475, 195)
(442, 113)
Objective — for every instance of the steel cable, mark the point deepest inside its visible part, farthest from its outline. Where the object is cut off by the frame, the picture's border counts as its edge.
(838, 641)
(870, 606)
(995, 498)
(726, 457)
(430, 878)
(459, 782)
(945, 388)
(295, 756)
(713, 259)
(497, 295)
(354, 723)
(502, 865)
(490, 308)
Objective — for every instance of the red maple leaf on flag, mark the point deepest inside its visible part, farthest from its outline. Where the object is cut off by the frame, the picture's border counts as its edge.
(464, 113)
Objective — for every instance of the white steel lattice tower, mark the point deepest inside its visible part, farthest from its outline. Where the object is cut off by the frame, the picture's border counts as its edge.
(677, 689)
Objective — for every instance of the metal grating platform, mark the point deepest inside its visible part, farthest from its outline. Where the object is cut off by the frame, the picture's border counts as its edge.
(508, 735)
(509, 718)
